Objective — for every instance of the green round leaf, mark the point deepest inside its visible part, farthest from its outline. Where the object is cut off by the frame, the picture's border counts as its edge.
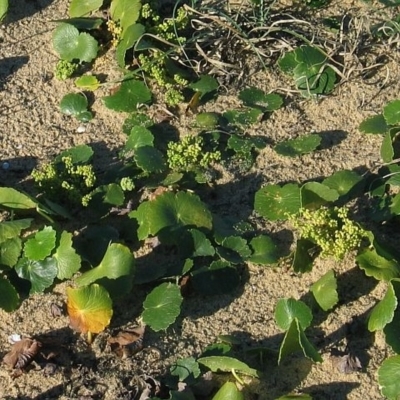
(243, 117)
(9, 298)
(136, 119)
(68, 262)
(84, 116)
(202, 246)
(41, 274)
(162, 306)
(206, 84)
(265, 251)
(275, 202)
(374, 124)
(342, 181)
(228, 391)
(87, 82)
(89, 308)
(389, 377)
(234, 249)
(118, 261)
(207, 120)
(72, 45)
(171, 210)
(114, 195)
(254, 97)
(130, 94)
(139, 137)
(184, 368)
(289, 309)
(41, 245)
(324, 291)
(294, 147)
(149, 159)
(126, 12)
(79, 8)
(383, 312)
(3, 9)
(391, 112)
(79, 154)
(129, 37)
(73, 104)
(226, 364)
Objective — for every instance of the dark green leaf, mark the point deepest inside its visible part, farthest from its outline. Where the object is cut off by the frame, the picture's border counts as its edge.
(302, 259)
(114, 195)
(206, 84)
(129, 37)
(130, 95)
(139, 136)
(315, 194)
(10, 251)
(343, 181)
(185, 368)
(136, 119)
(79, 154)
(9, 298)
(149, 159)
(73, 104)
(11, 229)
(377, 266)
(387, 151)
(374, 124)
(41, 274)
(254, 97)
(243, 117)
(202, 246)
(391, 112)
(294, 147)
(265, 251)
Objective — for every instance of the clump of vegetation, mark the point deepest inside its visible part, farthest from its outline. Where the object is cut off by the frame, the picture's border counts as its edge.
(66, 180)
(189, 154)
(331, 229)
(65, 69)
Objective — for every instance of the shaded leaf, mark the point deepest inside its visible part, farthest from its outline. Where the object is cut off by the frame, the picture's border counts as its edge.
(302, 257)
(185, 368)
(202, 245)
(265, 251)
(254, 97)
(79, 154)
(149, 159)
(89, 308)
(9, 298)
(162, 306)
(343, 181)
(10, 251)
(73, 104)
(12, 229)
(315, 194)
(243, 117)
(206, 84)
(130, 36)
(377, 266)
(138, 137)
(41, 274)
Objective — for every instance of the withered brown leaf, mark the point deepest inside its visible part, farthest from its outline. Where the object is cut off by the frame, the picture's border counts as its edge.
(22, 353)
(128, 342)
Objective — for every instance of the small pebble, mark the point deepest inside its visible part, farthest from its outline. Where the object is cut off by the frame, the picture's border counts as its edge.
(5, 165)
(80, 129)
(14, 338)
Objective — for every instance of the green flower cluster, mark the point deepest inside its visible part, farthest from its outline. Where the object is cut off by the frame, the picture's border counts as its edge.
(127, 184)
(331, 229)
(116, 32)
(60, 180)
(189, 154)
(64, 69)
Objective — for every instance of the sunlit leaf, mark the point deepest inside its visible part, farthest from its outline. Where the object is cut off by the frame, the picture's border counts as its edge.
(10, 251)
(73, 104)
(295, 147)
(185, 368)
(391, 112)
(79, 154)
(254, 97)
(172, 210)
(79, 8)
(374, 124)
(11, 198)
(68, 262)
(87, 82)
(71, 45)
(41, 245)
(118, 261)
(130, 36)
(275, 202)
(130, 95)
(325, 291)
(315, 194)
(377, 266)
(265, 251)
(162, 306)
(228, 391)
(202, 246)
(206, 84)
(389, 377)
(383, 312)
(11, 229)
(227, 364)
(243, 117)
(287, 310)
(126, 12)
(89, 308)
(343, 181)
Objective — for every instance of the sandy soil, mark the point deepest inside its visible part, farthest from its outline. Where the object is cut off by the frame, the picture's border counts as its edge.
(32, 130)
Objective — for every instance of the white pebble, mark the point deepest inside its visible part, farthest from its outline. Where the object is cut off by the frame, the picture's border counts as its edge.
(5, 165)
(80, 129)
(14, 338)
